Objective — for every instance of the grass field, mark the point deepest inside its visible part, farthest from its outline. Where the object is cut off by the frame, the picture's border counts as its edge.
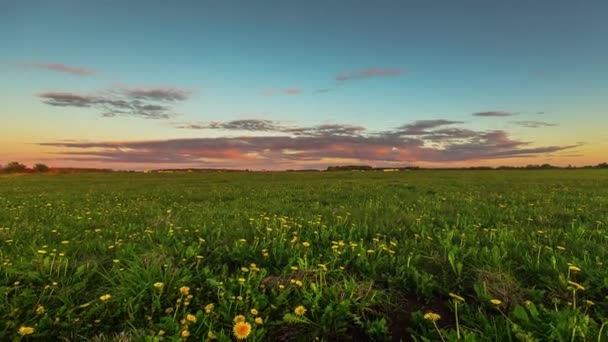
(420, 255)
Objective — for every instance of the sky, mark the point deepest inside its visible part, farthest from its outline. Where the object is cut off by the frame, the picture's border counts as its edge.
(303, 84)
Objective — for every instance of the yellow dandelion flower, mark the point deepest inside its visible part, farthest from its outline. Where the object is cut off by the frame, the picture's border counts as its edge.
(254, 312)
(299, 283)
(184, 290)
(294, 268)
(209, 308)
(161, 332)
(239, 298)
(300, 310)
(211, 335)
(281, 286)
(306, 244)
(244, 269)
(431, 316)
(158, 285)
(168, 311)
(105, 297)
(574, 268)
(239, 319)
(23, 331)
(265, 254)
(242, 280)
(456, 297)
(241, 330)
(191, 318)
(40, 310)
(185, 333)
(577, 286)
(496, 301)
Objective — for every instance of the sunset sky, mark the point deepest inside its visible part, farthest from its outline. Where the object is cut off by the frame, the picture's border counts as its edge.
(303, 84)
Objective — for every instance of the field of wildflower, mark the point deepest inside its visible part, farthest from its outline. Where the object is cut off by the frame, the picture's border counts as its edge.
(362, 256)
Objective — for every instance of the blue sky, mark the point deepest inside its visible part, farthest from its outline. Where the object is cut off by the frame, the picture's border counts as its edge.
(405, 61)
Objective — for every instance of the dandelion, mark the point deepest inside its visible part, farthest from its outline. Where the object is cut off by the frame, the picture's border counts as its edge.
(561, 248)
(574, 268)
(434, 317)
(161, 332)
(40, 310)
(241, 330)
(239, 319)
(254, 312)
(184, 290)
(105, 297)
(456, 297)
(244, 269)
(242, 280)
(259, 321)
(281, 286)
(209, 308)
(306, 244)
(158, 285)
(577, 286)
(185, 333)
(211, 335)
(300, 310)
(239, 298)
(294, 268)
(299, 283)
(496, 301)
(42, 251)
(589, 302)
(191, 318)
(431, 316)
(23, 330)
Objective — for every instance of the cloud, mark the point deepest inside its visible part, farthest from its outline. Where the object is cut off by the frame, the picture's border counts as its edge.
(80, 71)
(421, 127)
(238, 125)
(366, 73)
(256, 125)
(159, 94)
(534, 124)
(61, 99)
(144, 103)
(494, 114)
(288, 91)
(426, 141)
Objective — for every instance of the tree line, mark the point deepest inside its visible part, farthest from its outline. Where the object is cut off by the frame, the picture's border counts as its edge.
(17, 167)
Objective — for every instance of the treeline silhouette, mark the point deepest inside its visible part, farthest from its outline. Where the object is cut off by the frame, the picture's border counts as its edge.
(16, 167)
(527, 167)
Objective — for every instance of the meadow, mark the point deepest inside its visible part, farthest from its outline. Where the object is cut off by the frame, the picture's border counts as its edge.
(335, 256)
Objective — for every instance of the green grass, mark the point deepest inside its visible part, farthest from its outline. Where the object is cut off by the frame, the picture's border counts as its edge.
(384, 249)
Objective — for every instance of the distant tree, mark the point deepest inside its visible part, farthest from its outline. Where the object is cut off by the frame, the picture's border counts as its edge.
(41, 168)
(603, 165)
(14, 167)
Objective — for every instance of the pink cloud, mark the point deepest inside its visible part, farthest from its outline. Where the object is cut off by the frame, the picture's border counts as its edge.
(80, 71)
